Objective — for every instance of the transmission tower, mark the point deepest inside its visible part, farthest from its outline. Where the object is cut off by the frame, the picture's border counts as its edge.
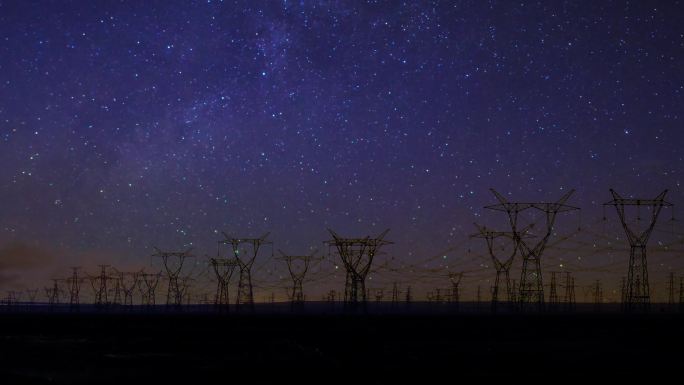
(53, 293)
(671, 290)
(357, 257)
(127, 282)
(409, 297)
(173, 264)
(99, 285)
(455, 279)
(502, 266)
(148, 287)
(569, 297)
(553, 289)
(224, 269)
(395, 294)
(245, 294)
(637, 291)
(185, 284)
(74, 284)
(118, 283)
(598, 295)
(531, 283)
(297, 265)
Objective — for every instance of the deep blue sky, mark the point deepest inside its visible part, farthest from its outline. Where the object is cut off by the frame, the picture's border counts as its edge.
(130, 124)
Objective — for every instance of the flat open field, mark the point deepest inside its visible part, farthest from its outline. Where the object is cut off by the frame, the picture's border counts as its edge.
(200, 347)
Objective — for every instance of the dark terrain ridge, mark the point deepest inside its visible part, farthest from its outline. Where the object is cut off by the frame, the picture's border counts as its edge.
(318, 347)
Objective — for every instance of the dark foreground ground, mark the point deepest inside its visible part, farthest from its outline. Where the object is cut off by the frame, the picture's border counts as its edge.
(200, 348)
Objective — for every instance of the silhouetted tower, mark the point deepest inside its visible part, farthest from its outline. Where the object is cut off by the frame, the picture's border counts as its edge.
(129, 281)
(671, 290)
(637, 291)
(395, 293)
(250, 248)
(357, 256)
(74, 283)
(53, 293)
(99, 285)
(598, 295)
(569, 296)
(553, 293)
(297, 265)
(409, 297)
(623, 292)
(455, 279)
(531, 291)
(224, 269)
(118, 282)
(502, 266)
(478, 298)
(173, 264)
(148, 287)
(185, 294)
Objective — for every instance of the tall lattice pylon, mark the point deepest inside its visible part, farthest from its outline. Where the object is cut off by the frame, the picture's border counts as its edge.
(553, 289)
(598, 295)
(671, 290)
(74, 283)
(569, 296)
(128, 281)
(148, 287)
(502, 266)
(531, 289)
(54, 293)
(455, 279)
(173, 262)
(357, 256)
(245, 252)
(224, 268)
(99, 285)
(637, 291)
(297, 265)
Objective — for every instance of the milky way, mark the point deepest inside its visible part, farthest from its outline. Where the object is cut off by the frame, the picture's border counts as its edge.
(131, 124)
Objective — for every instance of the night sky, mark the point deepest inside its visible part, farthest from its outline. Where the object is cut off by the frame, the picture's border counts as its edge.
(125, 125)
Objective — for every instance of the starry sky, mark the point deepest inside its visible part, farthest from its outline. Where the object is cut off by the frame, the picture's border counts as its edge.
(127, 124)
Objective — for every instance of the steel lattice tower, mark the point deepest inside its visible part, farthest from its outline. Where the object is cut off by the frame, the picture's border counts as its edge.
(245, 294)
(553, 292)
(148, 287)
(53, 293)
(99, 285)
(569, 296)
(74, 283)
(637, 290)
(502, 266)
(455, 279)
(531, 289)
(297, 265)
(671, 290)
(598, 295)
(224, 269)
(173, 264)
(357, 256)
